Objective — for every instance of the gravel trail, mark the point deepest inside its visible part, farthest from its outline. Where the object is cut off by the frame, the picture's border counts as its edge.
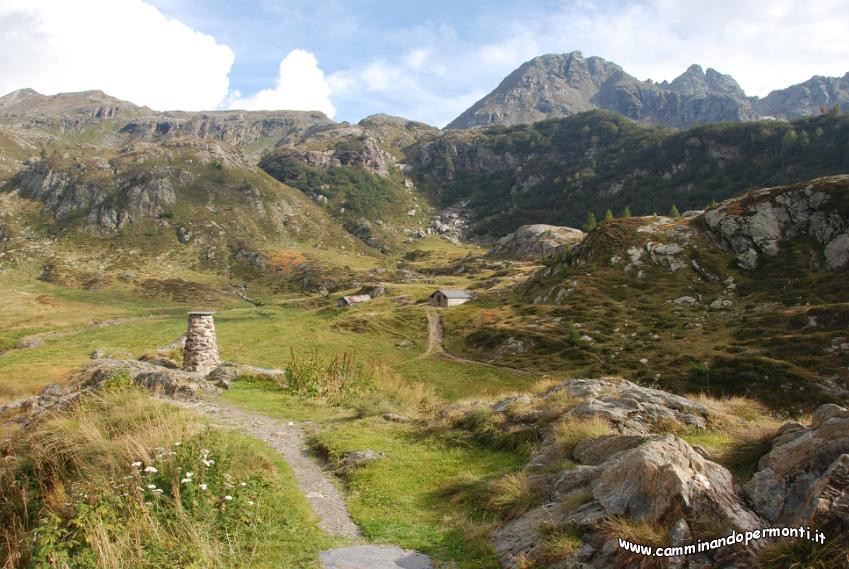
(288, 439)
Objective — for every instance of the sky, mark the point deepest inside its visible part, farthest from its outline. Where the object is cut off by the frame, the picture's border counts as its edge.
(426, 61)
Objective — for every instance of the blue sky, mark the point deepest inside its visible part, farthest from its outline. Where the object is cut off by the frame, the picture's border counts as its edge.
(423, 60)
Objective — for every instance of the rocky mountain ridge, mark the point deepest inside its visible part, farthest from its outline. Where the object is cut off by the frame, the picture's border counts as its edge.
(561, 85)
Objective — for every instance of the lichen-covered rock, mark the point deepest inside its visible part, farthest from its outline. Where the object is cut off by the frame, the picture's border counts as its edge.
(756, 224)
(229, 372)
(653, 478)
(665, 478)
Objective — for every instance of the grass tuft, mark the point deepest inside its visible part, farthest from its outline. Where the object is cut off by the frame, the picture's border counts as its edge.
(571, 431)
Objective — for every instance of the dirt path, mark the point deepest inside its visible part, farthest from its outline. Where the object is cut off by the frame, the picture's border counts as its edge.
(436, 345)
(287, 438)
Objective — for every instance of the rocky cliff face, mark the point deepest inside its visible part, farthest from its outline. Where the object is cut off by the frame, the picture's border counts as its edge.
(31, 115)
(252, 131)
(759, 224)
(559, 85)
(808, 98)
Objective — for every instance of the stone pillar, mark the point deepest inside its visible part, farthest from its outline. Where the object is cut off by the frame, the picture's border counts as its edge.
(201, 351)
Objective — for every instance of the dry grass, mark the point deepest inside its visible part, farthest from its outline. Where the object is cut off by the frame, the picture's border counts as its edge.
(573, 430)
(746, 428)
(805, 554)
(746, 449)
(544, 385)
(390, 392)
(80, 490)
(556, 404)
(641, 532)
(513, 494)
(560, 541)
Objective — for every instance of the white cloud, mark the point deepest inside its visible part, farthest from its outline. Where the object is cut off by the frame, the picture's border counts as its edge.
(301, 86)
(126, 48)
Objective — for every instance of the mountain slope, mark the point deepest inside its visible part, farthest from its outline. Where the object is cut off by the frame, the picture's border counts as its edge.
(746, 299)
(555, 171)
(560, 85)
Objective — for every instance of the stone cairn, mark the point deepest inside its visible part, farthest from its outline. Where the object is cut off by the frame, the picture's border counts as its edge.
(201, 351)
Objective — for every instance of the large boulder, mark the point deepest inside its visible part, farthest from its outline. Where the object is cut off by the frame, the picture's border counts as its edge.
(535, 242)
(665, 479)
(659, 479)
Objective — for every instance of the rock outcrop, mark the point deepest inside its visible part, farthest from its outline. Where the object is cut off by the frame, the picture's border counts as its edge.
(757, 225)
(803, 479)
(536, 242)
(641, 472)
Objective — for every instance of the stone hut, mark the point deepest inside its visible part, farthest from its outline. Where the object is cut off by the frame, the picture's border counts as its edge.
(354, 299)
(450, 297)
(200, 353)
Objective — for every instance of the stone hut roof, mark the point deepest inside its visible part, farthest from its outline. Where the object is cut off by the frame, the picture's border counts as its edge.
(354, 299)
(460, 293)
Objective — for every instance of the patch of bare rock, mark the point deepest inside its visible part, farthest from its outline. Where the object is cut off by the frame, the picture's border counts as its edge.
(755, 226)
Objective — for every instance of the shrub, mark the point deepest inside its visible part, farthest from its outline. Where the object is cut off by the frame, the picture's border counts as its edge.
(335, 379)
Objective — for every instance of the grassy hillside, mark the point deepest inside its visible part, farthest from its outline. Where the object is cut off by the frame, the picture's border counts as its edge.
(557, 171)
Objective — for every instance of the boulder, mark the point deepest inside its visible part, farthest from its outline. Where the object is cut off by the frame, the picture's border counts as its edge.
(223, 375)
(665, 478)
(535, 242)
(356, 459)
(803, 470)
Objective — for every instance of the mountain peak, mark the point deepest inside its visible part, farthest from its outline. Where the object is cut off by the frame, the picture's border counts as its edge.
(558, 85)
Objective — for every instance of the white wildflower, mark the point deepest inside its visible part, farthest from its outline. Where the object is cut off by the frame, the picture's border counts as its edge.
(243, 483)
(228, 498)
(203, 486)
(250, 503)
(151, 486)
(136, 464)
(185, 480)
(150, 469)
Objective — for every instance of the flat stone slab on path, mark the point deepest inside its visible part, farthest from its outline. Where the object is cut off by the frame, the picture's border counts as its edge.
(374, 557)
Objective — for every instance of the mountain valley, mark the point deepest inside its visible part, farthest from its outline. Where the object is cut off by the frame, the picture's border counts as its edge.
(650, 321)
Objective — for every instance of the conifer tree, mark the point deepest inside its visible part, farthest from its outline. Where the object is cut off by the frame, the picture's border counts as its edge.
(591, 222)
(626, 212)
(674, 213)
(608, 215)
